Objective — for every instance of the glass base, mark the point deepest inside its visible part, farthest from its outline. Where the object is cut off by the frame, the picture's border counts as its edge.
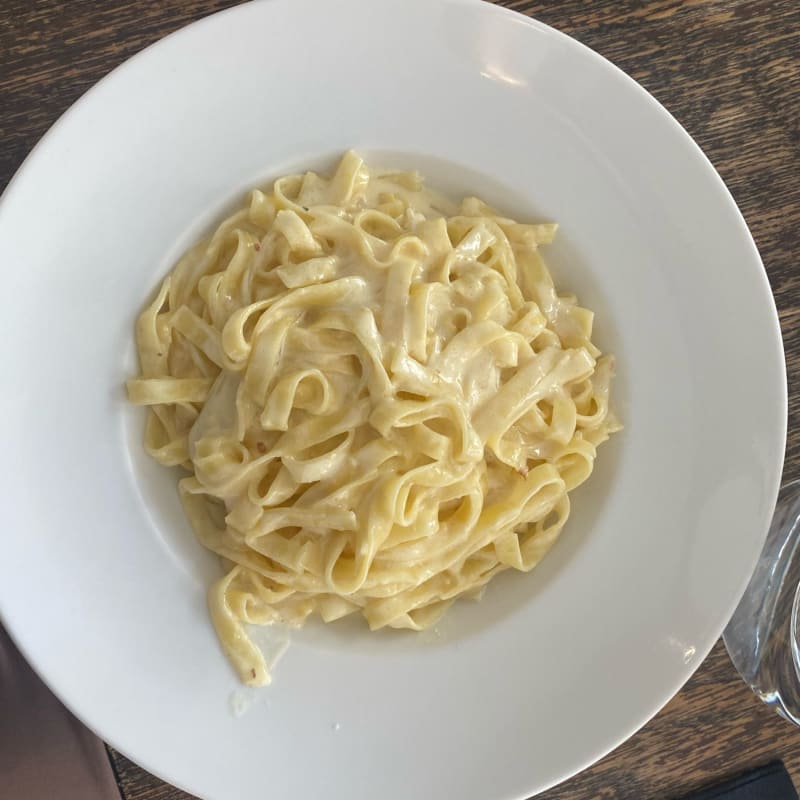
(762, 636)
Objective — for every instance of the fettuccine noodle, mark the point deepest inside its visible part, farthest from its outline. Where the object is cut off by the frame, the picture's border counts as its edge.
(380, 398)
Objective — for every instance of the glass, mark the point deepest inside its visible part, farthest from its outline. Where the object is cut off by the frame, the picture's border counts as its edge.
(762, 636)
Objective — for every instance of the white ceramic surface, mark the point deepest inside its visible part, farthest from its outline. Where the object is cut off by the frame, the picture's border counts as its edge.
(100, 582)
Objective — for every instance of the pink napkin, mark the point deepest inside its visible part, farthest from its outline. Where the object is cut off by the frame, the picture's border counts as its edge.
(45, 753)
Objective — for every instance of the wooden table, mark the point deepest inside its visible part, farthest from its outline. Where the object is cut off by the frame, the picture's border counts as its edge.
(729, 70)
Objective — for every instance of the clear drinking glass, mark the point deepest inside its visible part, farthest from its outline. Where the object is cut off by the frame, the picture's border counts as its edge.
(762, 636)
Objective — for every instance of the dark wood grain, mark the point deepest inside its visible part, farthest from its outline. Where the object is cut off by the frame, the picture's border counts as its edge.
(729, 70)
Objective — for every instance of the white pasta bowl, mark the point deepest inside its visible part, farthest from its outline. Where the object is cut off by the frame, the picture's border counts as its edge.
(103, 586)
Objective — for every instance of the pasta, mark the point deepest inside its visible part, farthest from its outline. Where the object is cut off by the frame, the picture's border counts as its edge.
(380, 398)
